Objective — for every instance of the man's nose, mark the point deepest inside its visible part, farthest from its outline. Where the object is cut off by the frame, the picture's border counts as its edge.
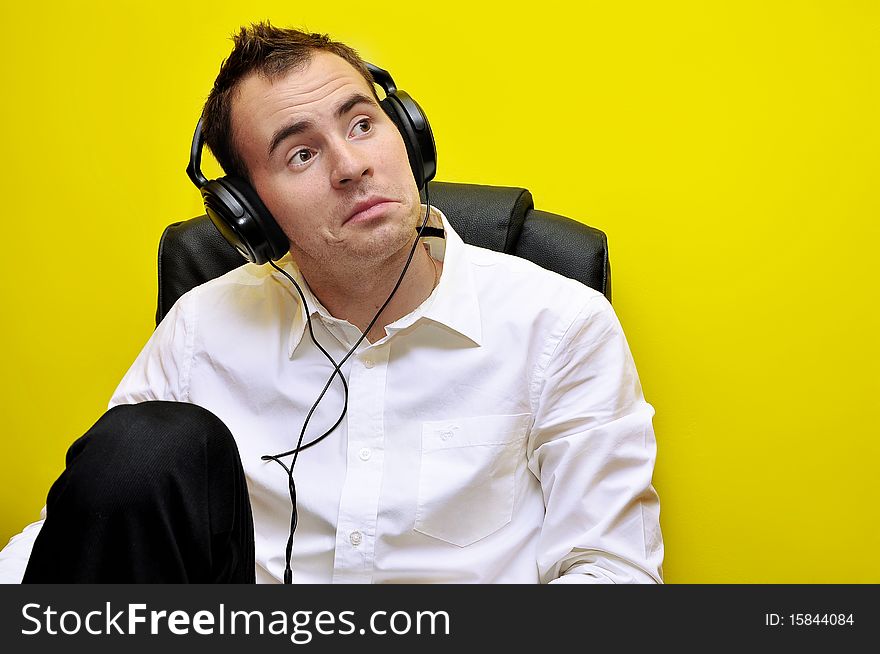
(350, 164)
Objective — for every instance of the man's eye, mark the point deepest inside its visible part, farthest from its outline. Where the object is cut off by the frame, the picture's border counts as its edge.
(301, 156)
(363, 126)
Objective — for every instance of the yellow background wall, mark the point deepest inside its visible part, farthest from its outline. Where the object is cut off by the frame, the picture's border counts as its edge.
(728, 149)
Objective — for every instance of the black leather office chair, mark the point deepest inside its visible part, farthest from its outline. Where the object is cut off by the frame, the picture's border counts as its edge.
(500, 218)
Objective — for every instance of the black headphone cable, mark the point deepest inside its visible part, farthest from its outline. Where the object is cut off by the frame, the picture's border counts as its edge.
(288, 572)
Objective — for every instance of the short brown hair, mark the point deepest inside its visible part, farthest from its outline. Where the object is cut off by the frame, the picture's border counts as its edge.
(269, 51)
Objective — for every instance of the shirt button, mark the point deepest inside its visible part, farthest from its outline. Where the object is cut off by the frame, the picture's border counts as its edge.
(355, 537)
(364, 454)
(368, 363)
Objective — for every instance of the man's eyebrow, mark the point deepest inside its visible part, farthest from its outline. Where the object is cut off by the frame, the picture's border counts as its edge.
(354, 100)
(283, 133)
(301, 126)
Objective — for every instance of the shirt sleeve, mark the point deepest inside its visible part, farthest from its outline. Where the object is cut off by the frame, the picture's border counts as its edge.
(14, 557)
(592, 448)
(160, 372)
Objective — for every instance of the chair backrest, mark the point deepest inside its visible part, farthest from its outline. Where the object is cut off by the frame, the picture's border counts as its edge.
(500, 218)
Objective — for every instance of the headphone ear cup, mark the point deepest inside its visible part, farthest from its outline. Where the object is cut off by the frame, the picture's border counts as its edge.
(413, 125)
(244, 221)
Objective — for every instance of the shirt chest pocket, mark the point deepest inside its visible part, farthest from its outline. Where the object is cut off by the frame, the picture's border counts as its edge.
(468, 474)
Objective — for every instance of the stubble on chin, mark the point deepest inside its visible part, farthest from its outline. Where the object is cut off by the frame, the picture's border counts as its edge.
(387, 240)
(362, 246)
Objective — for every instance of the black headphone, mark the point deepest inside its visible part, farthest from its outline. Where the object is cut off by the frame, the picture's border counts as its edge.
(239, 214)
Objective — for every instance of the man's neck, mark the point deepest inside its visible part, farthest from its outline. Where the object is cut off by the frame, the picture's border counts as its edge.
(355, 292)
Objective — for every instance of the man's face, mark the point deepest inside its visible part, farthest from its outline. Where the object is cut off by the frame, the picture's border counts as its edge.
(327, 162)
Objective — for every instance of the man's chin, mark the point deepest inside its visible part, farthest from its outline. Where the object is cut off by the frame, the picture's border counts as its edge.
(386, 241)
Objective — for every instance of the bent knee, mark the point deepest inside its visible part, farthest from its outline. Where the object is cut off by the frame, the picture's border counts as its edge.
(136, 451)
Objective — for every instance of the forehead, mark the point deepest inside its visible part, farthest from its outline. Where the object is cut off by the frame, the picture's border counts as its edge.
(261, 103)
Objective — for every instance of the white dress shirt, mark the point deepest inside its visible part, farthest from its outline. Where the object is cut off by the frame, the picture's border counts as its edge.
(498, 433)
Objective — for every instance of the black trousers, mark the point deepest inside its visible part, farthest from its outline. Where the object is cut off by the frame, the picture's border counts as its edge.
(152, 493)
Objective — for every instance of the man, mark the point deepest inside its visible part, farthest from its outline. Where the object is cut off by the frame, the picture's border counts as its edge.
(494, 428)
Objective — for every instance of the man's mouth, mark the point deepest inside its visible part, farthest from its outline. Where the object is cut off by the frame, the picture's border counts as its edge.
(369, 208)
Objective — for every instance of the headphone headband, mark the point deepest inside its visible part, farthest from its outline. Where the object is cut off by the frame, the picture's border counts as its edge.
(194, 168)
(383, 78)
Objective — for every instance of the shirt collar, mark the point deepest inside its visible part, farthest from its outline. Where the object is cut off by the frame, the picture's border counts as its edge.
(453, 304)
